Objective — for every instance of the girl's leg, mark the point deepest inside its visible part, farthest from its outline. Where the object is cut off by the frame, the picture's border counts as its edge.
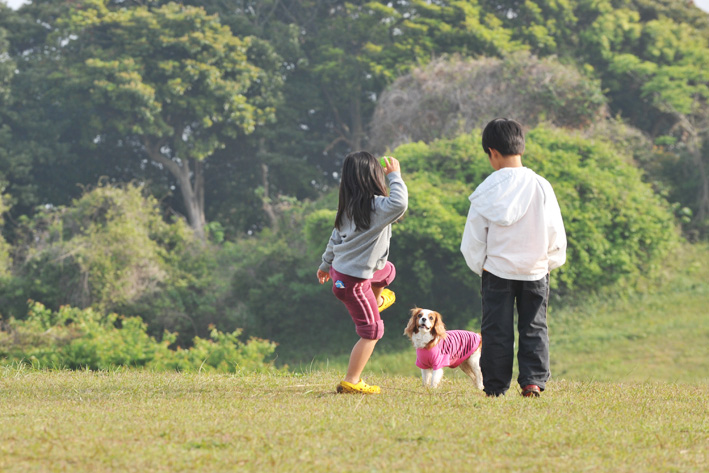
(358, 359)
(377, 291)
(382, 279)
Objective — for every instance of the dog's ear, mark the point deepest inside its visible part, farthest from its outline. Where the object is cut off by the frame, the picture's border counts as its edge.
(439, 327)
(412, 327)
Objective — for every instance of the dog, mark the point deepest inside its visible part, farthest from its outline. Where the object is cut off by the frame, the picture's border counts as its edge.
(437, 348)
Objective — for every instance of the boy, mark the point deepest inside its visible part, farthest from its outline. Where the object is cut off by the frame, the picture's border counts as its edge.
(513, 237)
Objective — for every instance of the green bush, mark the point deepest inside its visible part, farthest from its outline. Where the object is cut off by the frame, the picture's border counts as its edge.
(618, 228)
(72, 338)
(108, 249)
(112, 250)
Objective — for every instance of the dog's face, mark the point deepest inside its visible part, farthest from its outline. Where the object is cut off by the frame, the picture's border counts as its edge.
(425, 320)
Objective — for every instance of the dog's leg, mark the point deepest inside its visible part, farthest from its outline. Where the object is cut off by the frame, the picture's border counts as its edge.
(471, 367)
(437, 376)
(467, 367)
(426, 377)
(475, 364)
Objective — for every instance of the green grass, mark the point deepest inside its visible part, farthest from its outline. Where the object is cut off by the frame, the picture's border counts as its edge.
(659, 335)
(143, 421)
(629, 393)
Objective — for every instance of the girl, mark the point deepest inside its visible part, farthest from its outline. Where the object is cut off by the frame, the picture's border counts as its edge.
(356, 255)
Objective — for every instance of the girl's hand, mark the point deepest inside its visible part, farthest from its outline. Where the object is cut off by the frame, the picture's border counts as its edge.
(323, 277)
(392, 164)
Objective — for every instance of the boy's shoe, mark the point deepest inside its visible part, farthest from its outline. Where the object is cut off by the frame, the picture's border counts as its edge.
(361, 387)
(531, 390)
(388, 298)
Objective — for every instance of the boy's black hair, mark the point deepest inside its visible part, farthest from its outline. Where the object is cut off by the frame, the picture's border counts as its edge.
(505, 136)
(362, 178)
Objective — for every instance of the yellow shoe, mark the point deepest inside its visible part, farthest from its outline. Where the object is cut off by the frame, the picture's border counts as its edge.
(388, 298)
(361, 387)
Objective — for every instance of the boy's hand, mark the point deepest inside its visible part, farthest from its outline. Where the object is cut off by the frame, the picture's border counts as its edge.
(323, 277)
(392, 164)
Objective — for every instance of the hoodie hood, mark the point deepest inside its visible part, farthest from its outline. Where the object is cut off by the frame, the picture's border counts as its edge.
(504, 197)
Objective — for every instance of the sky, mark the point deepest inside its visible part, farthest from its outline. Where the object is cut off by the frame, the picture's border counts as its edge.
(703, 4)
(16, 3)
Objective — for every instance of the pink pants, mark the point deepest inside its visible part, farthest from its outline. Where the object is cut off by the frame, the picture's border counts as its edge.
(357, 295)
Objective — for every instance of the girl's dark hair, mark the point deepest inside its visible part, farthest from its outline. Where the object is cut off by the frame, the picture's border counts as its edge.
(362, 178)
(505, 136)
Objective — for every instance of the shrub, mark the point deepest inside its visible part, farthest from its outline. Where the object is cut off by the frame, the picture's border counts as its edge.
(456, 95)
(108, 249)
(113, 251)
(85, 339)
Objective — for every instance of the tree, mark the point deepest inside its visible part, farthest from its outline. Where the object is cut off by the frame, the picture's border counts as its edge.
(457, 95)
(656, 75)
(172, 80)
(677, 85)
(347, 52)
(107, 250)
(358, 48)
(6, 70)
(41, 157)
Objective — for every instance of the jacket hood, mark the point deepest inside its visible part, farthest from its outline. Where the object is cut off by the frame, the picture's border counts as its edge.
(504, 197)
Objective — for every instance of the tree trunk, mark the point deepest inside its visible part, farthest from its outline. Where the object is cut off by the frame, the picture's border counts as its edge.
(191, 186)
(695, 145)
(266, 204)
(703, 192)
(357, 128)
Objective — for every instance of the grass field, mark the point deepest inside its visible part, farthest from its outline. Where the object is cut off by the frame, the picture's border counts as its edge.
(629, 393)
(141, 421)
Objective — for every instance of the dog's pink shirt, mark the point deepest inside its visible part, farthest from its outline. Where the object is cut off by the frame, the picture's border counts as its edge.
(451, 351)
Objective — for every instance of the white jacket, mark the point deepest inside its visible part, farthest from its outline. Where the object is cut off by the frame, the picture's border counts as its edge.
(514, 228)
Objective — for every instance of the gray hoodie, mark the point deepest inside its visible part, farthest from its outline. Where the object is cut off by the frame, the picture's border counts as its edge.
(359, 253)
(514, 228)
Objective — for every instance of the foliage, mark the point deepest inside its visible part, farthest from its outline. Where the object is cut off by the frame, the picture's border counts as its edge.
(49, 151)
(108, 249)
(653, 61)
(6, 64)
(112, 250)
(72, 338)
(618, 228)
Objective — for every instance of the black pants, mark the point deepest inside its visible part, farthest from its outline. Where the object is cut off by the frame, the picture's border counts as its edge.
(496, 359)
